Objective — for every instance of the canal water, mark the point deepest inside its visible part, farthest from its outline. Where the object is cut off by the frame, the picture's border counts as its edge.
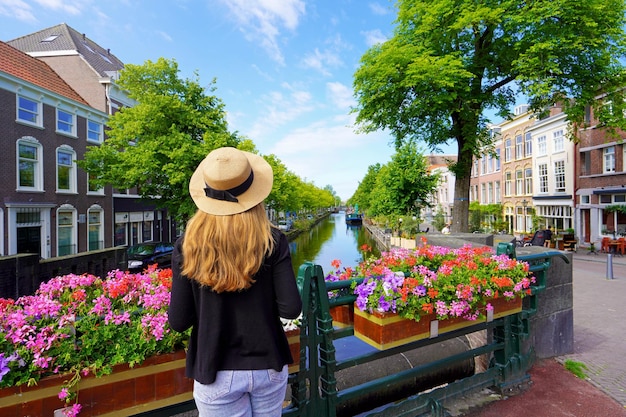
(329, 240)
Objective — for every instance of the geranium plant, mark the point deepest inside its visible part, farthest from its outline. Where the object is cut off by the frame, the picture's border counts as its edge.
(440, 280)
(77, 325)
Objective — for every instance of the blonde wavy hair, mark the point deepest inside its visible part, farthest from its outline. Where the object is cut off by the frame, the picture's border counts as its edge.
(224, 252)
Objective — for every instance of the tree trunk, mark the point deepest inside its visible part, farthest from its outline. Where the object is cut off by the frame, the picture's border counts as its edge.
(460, 209)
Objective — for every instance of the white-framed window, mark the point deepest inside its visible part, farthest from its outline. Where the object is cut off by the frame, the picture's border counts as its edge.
(542, 148)
(66, 231)
(609, 159)
(490, 163)
(558, 141)
(475, 168)
(490, 193)
(91, 187)
(519, 147)
(95, 231)
(543, 178)
(66, 169)
(585, 199)
(507, 150)
(497, 192)
(528, 181)
(483, 193)
(483, 166)
(94, 131)
(66, 122)
(29, 111)
(528, 142)
(498, 151)
(29, 164)
(507, 183)
(559, 176)
(519, 182)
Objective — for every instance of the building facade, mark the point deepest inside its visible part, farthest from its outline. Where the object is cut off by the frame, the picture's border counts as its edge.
(48, 205)
(91, 71)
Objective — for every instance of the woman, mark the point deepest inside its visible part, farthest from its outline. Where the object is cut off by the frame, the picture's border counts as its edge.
(233, 280)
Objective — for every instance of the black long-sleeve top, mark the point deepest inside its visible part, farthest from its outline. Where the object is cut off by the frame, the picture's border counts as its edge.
(236, 330)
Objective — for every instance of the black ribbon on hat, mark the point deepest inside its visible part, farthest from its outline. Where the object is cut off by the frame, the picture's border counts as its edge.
(232, 193)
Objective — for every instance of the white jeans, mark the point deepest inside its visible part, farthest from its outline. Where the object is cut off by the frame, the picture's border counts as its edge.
(257, 393)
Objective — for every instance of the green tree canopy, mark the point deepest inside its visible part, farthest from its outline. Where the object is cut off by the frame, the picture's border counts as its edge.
(157, 144)
(401, 183)
(449, 61)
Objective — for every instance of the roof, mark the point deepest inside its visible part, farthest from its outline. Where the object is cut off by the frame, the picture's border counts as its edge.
(34, 71)
(62, 39)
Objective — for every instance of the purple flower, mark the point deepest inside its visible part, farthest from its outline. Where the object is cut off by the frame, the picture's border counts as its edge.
(4, 366)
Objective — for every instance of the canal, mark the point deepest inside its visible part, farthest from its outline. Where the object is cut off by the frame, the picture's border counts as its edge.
(331, 239)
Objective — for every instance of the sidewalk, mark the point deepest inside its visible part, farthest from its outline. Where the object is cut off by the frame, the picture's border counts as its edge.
(599, 330)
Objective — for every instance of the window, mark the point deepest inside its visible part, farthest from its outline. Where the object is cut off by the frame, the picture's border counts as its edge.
(528, 181)
(475, 168)
(490, 193)
(507, 184)
(585, 162)
(498, 159)
(483, 193)
(542, 148)
(543, 178)
(91, 187)
(65, 233)
(483, 166)
(528, 144)
(519, 182)
(519, 147)
(490, 163)
(559, 176)
(66, 122)
(95, 238)
(558, 141)
(66, 170)
(584, 199)
(28, 111)
(497, 195)
(29, 165)
(507, 150)
(609, 159)
(94, 131)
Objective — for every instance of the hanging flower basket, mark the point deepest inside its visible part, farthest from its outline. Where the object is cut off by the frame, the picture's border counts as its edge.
(388, 330)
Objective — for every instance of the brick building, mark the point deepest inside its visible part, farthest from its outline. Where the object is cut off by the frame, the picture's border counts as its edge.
(47, 204)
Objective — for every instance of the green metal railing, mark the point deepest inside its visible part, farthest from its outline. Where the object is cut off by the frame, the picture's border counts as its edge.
(314, 388)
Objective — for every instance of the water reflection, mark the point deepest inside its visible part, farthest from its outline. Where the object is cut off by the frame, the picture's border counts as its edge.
(329, 240)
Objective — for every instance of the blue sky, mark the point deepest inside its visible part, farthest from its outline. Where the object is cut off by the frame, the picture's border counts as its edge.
(282, 67)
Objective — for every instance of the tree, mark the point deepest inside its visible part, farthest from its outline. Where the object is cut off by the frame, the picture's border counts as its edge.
(402, 182)
(157, 144)
(363, 194)
(450, 61)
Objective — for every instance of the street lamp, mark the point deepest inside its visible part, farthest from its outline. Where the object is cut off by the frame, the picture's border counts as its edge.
(524, 204)
(400, 227)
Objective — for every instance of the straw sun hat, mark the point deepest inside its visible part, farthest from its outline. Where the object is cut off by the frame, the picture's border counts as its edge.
(230, 181)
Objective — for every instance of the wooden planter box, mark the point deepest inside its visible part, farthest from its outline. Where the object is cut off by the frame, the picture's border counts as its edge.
(342, 315)
(387, 330)
(293, 337)
(159, 382)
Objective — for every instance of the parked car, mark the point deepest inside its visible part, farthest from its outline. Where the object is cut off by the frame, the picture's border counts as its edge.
(284, 225)
(142, 255)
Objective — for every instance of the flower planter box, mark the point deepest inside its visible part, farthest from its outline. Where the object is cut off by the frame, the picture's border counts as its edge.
(293, 337)
(159, 382)
(342, 315)
(388, 330)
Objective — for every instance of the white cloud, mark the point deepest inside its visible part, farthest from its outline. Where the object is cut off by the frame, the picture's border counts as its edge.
(261, 21)
(280, 108)
(17, 9)
(373, 37)
(332, 153)
(165, 35)
(24, 12)
(340, 94)
(72, 7)
(379, 9)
